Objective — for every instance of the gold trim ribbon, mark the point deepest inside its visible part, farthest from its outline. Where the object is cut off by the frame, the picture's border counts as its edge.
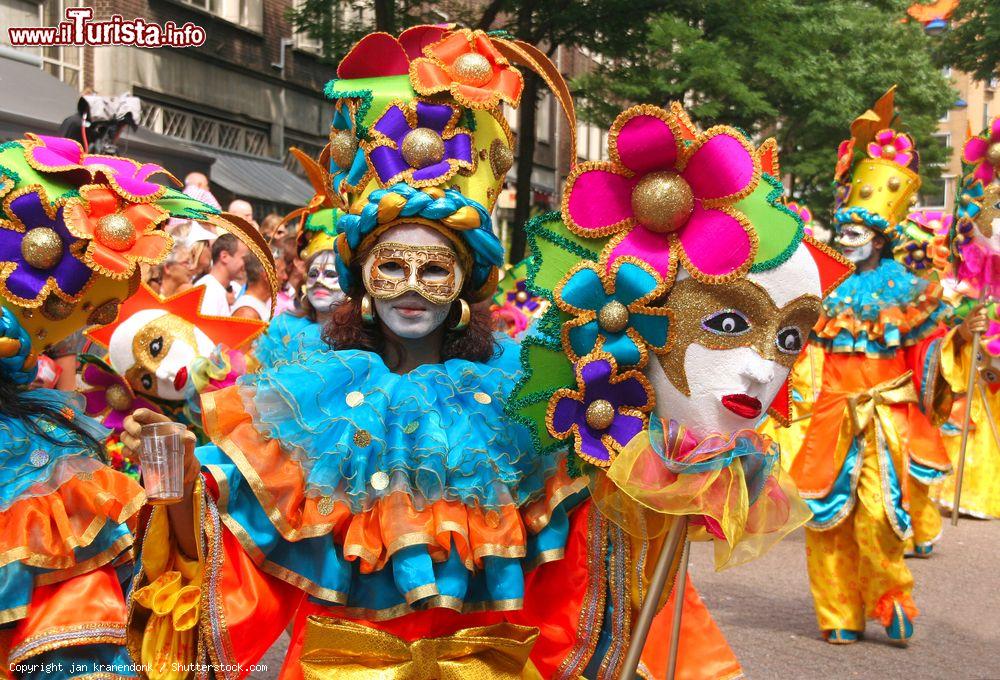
(861, 407)
(337, 648)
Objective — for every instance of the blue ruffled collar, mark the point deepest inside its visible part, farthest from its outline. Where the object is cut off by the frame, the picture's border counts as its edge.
(866, 294)
(360, 431)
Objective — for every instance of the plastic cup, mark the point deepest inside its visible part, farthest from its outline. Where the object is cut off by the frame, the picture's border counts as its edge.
(161, 457)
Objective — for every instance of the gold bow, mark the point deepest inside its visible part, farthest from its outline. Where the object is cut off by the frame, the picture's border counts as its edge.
(336, 648)
(862, 406)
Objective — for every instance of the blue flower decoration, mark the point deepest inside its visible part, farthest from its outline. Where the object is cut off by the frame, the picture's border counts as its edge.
(970, 199)
(611, 312)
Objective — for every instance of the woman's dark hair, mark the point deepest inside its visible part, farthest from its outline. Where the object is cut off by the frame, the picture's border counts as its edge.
(19, 404)
(347, 330)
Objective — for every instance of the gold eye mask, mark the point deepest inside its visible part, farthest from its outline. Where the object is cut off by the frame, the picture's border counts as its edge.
(739, 314)
(397, 268)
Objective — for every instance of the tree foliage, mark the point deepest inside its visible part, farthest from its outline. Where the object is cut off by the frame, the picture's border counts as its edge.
(973, 43)
(800, 70)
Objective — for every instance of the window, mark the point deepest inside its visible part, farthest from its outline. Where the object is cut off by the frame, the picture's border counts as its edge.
(543, 119)
(246, 13)
(303, 41)
(65, 63)
(203, 129)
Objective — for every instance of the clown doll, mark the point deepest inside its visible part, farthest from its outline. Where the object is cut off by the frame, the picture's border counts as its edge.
(976, 282)
(163, 353)
(74, 228)
(682, 290)
(871, 450)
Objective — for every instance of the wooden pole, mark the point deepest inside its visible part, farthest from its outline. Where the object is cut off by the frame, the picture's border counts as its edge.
(658, 582)
(970, 394)
(675, 632)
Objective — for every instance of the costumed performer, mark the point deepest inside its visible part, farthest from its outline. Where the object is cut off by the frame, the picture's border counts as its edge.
(870, 447)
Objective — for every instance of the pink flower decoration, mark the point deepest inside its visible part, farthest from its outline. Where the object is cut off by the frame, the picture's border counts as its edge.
(128, 178)
(803, 212)
(111, 396)
(665, 199)
(984, 153)
(892, 146)
(934, 222)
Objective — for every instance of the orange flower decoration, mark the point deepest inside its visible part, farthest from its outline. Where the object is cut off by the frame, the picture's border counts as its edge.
(845, 157)
(468, 65)
(121, 234)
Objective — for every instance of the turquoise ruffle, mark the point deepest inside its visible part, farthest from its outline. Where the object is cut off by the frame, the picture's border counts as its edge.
(286, 336)
(866, 295)
(438, 432)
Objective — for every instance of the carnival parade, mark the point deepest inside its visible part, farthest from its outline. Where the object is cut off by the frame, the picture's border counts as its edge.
(565, 341)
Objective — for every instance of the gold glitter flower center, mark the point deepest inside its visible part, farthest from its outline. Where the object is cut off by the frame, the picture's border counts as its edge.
(993, 155)
(600, 414)
(473, 69)
(662, 201)
(422, 147)
(613, 317)
(118, 398)
(115, 232)
(343, 148)
(42, 248)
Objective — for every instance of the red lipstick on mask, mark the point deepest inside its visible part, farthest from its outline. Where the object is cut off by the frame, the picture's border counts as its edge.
(180, 379)
(743, 405)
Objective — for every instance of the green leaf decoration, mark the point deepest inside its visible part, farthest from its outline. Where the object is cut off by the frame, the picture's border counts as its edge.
(779, 229)
(555, 251)
(375, 95)
(182, 206)
(14, 166)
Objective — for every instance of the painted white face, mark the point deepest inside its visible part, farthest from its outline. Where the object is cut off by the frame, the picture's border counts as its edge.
(855, 242)
(735, 345)
(322, 285)
(411, 315)
(857, 255)
(154, 350)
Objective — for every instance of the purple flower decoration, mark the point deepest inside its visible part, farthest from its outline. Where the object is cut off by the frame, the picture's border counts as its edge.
(128, 178)
(419, 144)
(111, 397)
(522, 299)
(604, 413)
(38, 254)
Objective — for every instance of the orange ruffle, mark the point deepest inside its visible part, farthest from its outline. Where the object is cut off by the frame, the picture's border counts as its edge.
(903, 319)
(393, 523)
(884, 608)
(43, 531)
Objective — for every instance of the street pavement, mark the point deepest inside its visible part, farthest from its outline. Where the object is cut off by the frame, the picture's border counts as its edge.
(765, 610)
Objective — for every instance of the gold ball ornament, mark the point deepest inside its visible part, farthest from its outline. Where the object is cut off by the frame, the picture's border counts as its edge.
(917, 255)
(613, 317)
(56, 308)
(913, 199)
(866, 190)
(115, 232)
(894, 184)
(662, 201)
(889, 151)
(422, 147)
(118, 398)
(600, 414)
(993, 155)
(521, 296)
(472, 69)
(343, 148)
(42, 248)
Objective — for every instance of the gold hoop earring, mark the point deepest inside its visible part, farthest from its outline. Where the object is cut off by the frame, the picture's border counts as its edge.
(367, 310)
(464, 317)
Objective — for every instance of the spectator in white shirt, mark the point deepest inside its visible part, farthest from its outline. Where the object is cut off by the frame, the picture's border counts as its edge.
(255, 303)
(228, 254)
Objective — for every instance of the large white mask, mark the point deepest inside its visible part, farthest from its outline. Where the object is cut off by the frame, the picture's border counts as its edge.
(415, 281)
(734, 345)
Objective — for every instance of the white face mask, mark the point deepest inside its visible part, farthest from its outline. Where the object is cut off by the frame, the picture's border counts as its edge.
(410, 315)
(322, 285)
(860, 254)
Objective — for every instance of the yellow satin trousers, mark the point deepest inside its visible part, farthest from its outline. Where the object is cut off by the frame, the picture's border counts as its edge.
(856, 563)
